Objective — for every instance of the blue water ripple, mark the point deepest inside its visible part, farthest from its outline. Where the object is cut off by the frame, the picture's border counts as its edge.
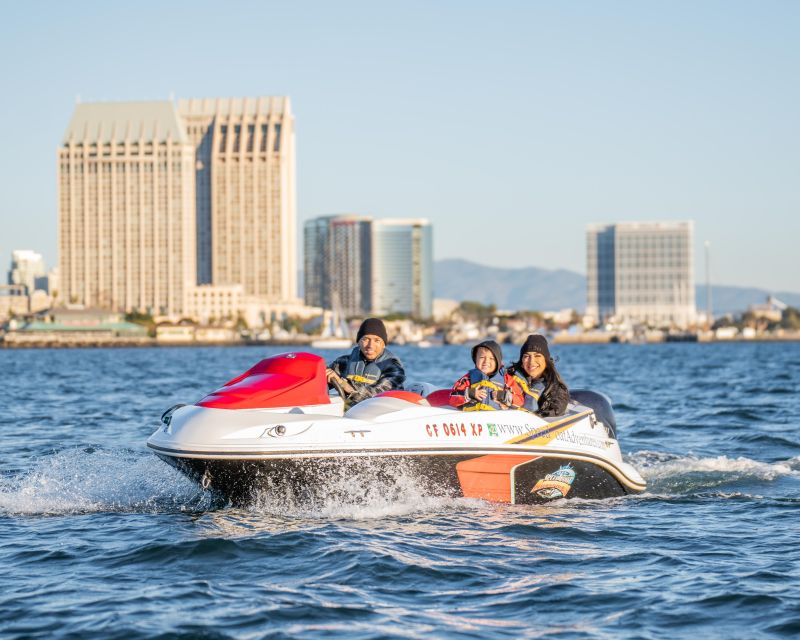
(99, 539)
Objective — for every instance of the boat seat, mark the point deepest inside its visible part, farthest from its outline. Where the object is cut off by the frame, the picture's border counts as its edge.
(408, 396)
(439, 398)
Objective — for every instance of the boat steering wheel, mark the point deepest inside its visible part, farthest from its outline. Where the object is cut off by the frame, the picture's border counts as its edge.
(339, 388)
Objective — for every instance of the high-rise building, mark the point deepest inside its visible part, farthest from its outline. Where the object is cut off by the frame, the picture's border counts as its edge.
(245, 193)
(28, 270)
(338, 258)
(316, 280)
(641, 273)
(402, 267)
(126, 207)
(155, 199)
(369, 266)
(350, 259)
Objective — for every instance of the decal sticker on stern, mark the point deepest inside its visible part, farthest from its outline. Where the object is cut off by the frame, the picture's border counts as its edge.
(555, 485)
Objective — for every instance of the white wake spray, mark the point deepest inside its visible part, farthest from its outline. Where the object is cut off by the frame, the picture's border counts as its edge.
(360, 489)
(675, 474)
(93, 480)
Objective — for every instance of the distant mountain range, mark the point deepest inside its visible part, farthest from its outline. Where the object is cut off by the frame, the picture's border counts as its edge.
(548, 290)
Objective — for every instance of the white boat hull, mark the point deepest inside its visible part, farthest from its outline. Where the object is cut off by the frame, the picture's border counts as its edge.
(506, 456)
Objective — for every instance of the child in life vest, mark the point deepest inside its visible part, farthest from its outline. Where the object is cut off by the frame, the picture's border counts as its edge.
(486, 387)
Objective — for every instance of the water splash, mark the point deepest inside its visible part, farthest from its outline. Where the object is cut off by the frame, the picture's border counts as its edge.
(675, 474)
(91, 480)
(361, 489)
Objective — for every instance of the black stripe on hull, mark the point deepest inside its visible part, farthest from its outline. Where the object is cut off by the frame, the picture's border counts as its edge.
(463, 453)
(243, 481)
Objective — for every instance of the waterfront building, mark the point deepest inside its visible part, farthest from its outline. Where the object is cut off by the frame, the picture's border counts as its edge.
(155, 199)
(39, 300)
(315, 262)
(769, 312)
(257, 313)
(402, 267)
(14, 301)
(126, 207)
(366, 266)
(175, 333)
(77, 326)
(216, 334)
(209, 303)
(641, 273)
(350, 258)
(245, 193)
(338, 258)
(28, 270)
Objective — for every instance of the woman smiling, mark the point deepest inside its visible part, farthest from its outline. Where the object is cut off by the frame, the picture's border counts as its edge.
(544, 392)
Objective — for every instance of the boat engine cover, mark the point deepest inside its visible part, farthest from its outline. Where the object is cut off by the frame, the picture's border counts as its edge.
(284, 380)
(600, 404)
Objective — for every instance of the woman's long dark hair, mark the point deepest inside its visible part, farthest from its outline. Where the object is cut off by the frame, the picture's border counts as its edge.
(554, 376)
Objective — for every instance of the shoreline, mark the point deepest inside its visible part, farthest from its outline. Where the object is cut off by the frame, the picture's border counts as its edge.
(140, 344)
(559, 341)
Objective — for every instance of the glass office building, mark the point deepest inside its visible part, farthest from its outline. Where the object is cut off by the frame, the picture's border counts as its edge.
(366, 266)
(338, 263)
(402, 267)
(641, 273)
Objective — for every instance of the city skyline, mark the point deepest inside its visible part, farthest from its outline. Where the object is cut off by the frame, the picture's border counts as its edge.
(561, 117)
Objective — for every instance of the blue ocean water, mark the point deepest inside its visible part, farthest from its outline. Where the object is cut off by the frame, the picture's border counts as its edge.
(98, 538)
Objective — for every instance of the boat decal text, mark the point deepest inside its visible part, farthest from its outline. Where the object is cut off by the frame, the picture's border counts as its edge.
(453, 429)
(583, 439)
(548, 432)
(497, 429)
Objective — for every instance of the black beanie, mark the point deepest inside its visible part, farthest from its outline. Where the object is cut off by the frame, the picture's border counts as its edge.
(537, 344)
(492, 346)
(372, 327)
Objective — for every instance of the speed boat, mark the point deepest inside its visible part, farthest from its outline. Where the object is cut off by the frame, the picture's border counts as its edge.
(277, 428)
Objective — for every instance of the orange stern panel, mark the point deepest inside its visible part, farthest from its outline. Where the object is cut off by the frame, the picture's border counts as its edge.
(489, 477)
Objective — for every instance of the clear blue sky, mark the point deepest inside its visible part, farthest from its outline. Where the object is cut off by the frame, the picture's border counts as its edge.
(511, 125)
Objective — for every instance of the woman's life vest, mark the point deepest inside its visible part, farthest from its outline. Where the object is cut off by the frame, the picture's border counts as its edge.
(530, 392)
(362, 372)
(477, 380)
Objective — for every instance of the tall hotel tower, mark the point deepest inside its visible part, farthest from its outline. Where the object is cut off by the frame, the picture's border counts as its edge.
(155, 199)
(126, 207)
(245, 193)
(641, 272)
